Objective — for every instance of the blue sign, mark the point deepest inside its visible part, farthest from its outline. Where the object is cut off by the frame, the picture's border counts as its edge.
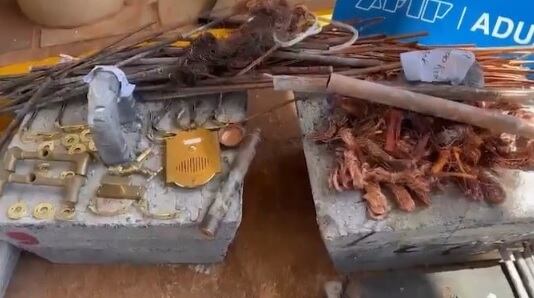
(484, 23)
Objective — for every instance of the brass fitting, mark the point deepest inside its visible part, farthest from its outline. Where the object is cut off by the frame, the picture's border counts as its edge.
(71, 184)
(78, 148)
(136, 167)
(81, 160)
(70, 139)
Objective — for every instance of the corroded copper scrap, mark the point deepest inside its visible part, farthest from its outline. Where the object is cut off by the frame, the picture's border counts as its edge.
(377, 205)
(404, 156)
(402, 197)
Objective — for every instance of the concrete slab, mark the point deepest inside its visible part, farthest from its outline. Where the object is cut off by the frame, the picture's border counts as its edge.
(488, 282)
(128, 237)
(452, 229)
(9, 256)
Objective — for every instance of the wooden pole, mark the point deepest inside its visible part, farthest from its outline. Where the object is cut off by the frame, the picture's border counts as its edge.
(469, 94)
(429, 105)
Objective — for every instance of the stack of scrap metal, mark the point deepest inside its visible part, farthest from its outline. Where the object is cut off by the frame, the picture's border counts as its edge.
(392, 137)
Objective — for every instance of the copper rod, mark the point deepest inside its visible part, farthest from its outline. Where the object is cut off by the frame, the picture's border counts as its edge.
(368, 70)
(329, 60)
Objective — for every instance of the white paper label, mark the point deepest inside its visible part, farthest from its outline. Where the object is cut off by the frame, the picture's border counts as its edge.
(439, 65)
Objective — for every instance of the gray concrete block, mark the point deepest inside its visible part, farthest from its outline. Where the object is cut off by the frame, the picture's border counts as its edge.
(9, 256)
(129, 237)
(479, 282)
(452, 229)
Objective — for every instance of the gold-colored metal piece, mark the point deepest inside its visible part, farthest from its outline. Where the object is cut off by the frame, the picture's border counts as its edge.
(43, 211)
(143, 207)
(85, 136)
(120, 191)
(47, 145)
(17, 211)
(70, 139)
(66, 213)
(66, 174)
(71, 184)
(77, 148)
(135, 167)
(15, 154)
(144, 155)
(192, 158)
(42, 168)
(91, 146)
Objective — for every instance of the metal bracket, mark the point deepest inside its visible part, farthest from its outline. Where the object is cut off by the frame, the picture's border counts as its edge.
(120, 191)
(114, 187)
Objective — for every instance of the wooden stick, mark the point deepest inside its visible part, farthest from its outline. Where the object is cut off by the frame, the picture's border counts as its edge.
(159, 61)
(251, 78)
(457, 93)
(469, 94)
(429, 105)
(372, 69)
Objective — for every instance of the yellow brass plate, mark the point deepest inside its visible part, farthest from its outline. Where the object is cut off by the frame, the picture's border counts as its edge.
(192, 157)
(17, 211)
